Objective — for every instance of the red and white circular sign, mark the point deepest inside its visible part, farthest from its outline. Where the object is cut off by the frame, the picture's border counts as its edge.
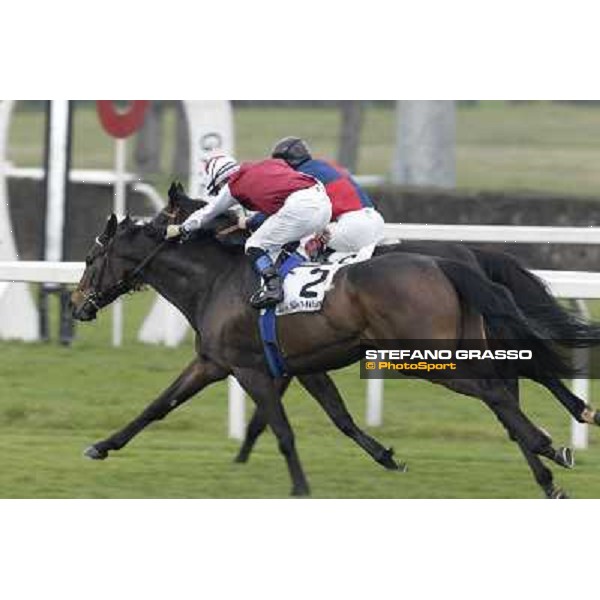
(119, 123)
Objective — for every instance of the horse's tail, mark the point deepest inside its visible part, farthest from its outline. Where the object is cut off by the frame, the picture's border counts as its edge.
(504, 318)
(537, 303)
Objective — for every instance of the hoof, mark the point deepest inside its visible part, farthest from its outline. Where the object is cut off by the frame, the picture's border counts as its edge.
(386, 459)
(95, 454)
(590, 416)
(300, 491)
(557, 493)
(240, 459)
(564, 457)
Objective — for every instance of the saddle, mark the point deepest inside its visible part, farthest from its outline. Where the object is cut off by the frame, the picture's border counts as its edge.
(304, 291)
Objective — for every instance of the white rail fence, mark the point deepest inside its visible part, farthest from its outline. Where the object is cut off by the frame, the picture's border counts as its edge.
(575, 285)
(494, 233)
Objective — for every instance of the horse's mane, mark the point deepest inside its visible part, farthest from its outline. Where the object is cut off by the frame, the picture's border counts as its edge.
(178, 212)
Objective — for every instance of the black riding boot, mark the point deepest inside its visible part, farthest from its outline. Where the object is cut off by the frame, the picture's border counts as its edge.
(272, 291)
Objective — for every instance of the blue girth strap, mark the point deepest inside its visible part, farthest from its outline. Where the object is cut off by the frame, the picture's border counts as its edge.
(267, 324)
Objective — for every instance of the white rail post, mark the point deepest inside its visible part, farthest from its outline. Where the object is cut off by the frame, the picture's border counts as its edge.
(236, 414)
(580, 386)
(119, 209)
(374, 415)
(18, 312)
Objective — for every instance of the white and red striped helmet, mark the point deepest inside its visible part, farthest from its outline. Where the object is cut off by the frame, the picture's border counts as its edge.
(218, 170)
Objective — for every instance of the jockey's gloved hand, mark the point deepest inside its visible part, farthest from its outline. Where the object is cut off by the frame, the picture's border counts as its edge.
(173, 232)
(325, 236)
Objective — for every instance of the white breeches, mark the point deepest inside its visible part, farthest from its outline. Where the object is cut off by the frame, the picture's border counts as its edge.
(355, 230)
(303, 213)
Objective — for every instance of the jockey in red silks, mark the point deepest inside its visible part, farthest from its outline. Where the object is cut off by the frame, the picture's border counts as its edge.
(295, 205)
(355, 221)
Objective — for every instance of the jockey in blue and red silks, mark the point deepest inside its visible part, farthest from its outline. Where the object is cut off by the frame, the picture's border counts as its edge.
(355, 221)
(294, 206)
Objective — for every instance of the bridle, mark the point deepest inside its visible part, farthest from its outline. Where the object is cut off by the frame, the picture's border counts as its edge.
(130, 282)
(126, 284)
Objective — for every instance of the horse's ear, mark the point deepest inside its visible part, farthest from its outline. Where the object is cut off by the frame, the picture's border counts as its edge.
(174, 194)
(111, 227)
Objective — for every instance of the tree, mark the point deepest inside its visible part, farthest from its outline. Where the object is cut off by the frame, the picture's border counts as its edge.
(352, 119)
(425, 143)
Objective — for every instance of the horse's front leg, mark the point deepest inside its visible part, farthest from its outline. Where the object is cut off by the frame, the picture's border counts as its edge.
(257, 424)
(196, 376)
(323, 389)
(265, 393)
(255, 428)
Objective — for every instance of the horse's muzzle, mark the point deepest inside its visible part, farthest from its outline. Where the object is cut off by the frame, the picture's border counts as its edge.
(82, 307)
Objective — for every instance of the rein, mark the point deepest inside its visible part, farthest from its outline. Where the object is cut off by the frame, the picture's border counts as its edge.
(101, 299)
(227, 230)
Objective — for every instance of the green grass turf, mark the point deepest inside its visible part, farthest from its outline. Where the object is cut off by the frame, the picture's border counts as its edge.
(54, 401)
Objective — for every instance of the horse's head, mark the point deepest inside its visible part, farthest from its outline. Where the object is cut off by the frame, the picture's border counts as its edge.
(180, 207)
(109, 268)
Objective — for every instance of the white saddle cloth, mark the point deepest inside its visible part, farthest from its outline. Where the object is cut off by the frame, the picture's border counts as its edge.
(305, 287)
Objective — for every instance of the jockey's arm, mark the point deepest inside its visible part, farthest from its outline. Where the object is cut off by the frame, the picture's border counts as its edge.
(197, 219)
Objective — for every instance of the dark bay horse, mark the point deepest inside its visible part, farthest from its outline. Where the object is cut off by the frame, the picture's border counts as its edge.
(395, 296)
(532, 298)
(536, 303)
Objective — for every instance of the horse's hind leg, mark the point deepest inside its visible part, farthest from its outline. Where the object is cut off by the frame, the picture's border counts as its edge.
(579, 410)
(505, 406)
(542, 474)
(197, 375)
(502, 399)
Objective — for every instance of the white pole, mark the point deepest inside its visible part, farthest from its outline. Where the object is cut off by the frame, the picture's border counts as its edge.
(237, 422)
(171, 322)
(579, 431)
(581, 387)
(18, 313)
(374, 402)
(57, 179)
(119, 210)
